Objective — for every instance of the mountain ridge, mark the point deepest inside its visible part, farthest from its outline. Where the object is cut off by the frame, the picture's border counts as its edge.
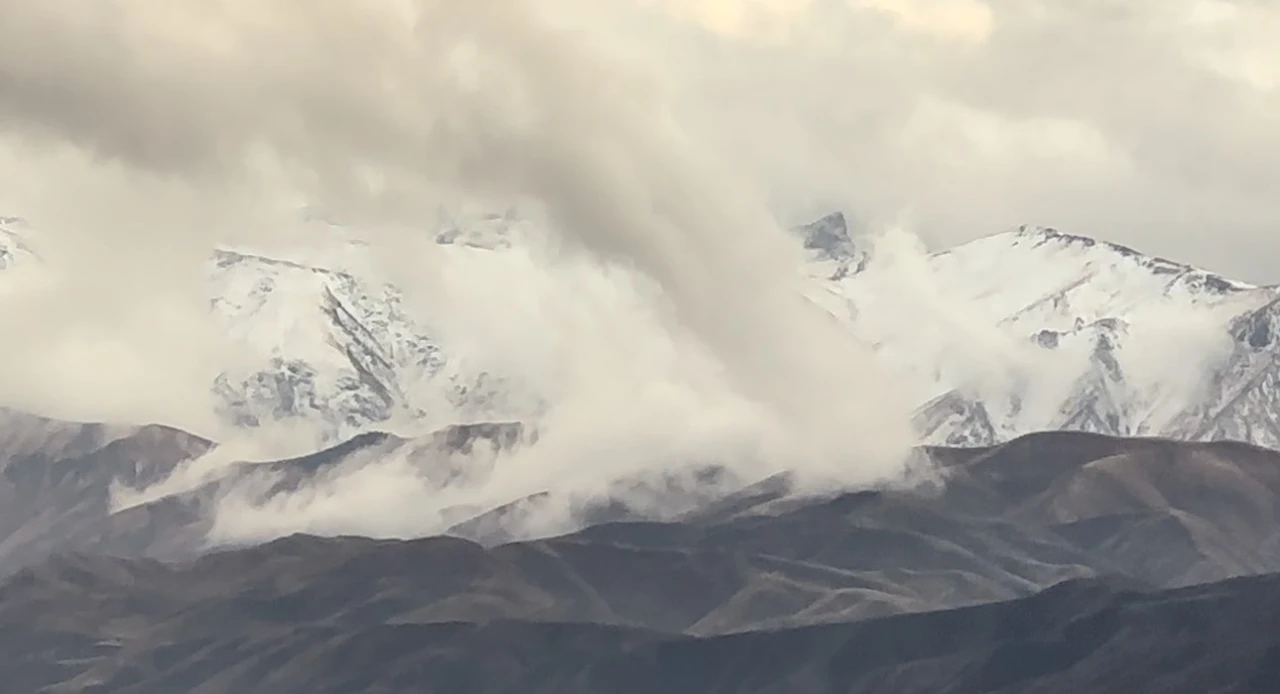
(339, 350)
(90, 624)
(1058, 561)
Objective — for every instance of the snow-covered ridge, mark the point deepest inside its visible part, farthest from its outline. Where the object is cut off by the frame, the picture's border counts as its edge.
(338, 349)
(322, 345)
(1023, 330)
(1038, 274)
(1033, 329)
(335, 348)
(1195, 276)
(1124, 343)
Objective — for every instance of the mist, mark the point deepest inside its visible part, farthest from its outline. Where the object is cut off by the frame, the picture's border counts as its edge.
(190, 125)
(1145, 122)
(662, 146)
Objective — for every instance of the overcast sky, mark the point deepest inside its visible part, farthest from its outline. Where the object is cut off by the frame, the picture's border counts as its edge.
(139, 133)
(1154, 123)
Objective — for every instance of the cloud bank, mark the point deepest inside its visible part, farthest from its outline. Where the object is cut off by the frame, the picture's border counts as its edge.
(664, 140)
(1144, 122)
(230, 112)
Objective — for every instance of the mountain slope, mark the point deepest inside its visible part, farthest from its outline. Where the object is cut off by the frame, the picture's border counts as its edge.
(139, 627)
(56, 478)
(804, 579)
(1065, 332)
(339, 350)
(1008, 520)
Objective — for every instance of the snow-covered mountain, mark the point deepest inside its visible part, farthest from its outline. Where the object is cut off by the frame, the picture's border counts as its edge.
(337, 347)
(1033, 329)
(330, 347)
(1025, 330)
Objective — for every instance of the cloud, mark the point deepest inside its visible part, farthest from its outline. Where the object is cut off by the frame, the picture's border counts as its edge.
(1146, 123)
(585, 453)
(902, 302)
(661, 139)
(220, 115)
(773, 20)
(1169, 356)
(969, 20)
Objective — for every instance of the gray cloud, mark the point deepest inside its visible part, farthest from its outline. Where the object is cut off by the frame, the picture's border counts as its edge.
(1186, 138)
(1149, 123)
(382, 113)
(664, 136)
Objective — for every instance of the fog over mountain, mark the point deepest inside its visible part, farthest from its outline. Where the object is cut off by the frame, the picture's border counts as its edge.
(612, 176)
(616, 344)
(208, 140)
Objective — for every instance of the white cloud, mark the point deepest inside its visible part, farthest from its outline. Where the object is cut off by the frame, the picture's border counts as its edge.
(186, 123)
(657, 136)
(1146, 123)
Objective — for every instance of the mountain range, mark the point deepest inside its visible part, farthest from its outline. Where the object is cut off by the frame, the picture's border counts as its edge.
(1027, 330)
(227, 631)
(1101, 509)
(1057, 562)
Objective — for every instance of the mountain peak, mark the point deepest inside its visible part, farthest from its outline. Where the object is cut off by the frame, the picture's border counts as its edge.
(1047, 234)
(829, 236)
(1197, 278)
(828, 239)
